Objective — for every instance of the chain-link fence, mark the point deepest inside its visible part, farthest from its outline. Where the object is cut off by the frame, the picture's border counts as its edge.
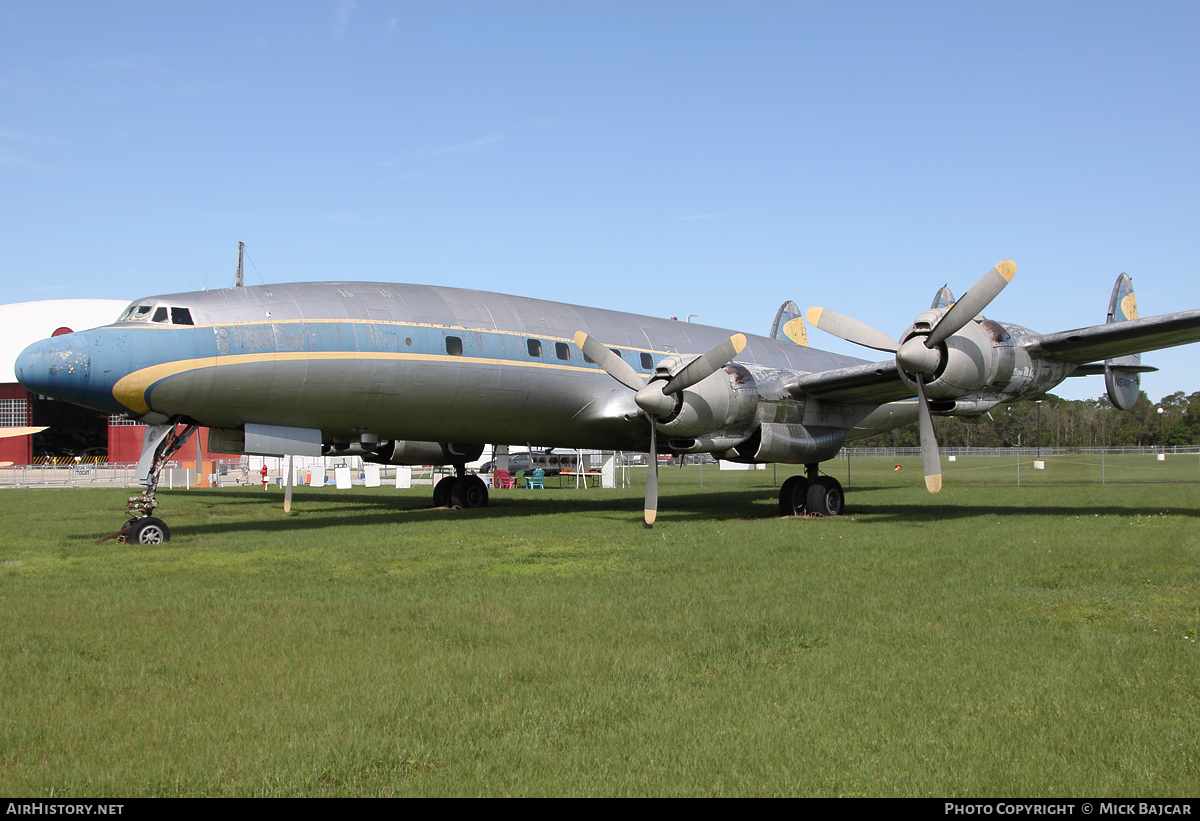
(861, 467)
(1022, 466)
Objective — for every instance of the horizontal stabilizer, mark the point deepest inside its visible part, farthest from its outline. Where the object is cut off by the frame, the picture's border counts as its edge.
(1115, 339)
(1097, 369)
(7, 433)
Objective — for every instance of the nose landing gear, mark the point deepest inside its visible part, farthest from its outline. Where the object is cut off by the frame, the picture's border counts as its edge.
(160, 444)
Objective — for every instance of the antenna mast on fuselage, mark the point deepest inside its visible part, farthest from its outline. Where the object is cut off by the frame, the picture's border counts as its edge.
(240, 283)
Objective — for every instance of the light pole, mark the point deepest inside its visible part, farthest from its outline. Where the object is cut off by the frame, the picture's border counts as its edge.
(1160, 439)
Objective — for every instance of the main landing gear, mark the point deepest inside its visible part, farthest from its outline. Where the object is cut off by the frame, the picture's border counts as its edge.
(811, 495)
(160, 444)
(460, 491)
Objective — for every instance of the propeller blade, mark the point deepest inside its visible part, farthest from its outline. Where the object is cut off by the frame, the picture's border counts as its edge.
(972, 303)
(706, 364)
(613, 365)
(651, 508)
(851, 330)
(931, 458)
(287, 494)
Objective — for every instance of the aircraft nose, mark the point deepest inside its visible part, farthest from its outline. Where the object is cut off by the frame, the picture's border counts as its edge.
(59, 367)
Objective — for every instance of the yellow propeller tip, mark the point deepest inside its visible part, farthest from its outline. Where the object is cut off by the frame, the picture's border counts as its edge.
(933, 483)
(739, 342)
(1007, 269)
(651, 515)
(813, 315)
(580, 338)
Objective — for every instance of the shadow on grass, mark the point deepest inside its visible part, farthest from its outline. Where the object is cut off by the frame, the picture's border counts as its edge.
(318, 511)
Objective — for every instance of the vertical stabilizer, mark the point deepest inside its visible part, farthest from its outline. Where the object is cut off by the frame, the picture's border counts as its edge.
(789, 324)
(1123, 384)
(944, 298)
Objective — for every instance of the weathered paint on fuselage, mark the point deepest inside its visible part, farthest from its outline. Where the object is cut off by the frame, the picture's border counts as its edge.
(353, 357)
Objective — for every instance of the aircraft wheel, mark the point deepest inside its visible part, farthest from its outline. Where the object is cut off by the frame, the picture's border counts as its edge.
(793, 496)
(441, 492)
(148, 530)
(468, 492)
(825, 497)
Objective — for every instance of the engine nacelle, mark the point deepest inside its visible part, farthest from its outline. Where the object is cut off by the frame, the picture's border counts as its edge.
(980, 355)
(405, 452)
(726, 399)
(983, 365)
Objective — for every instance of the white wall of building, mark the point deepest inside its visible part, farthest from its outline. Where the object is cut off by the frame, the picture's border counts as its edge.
(23, 323)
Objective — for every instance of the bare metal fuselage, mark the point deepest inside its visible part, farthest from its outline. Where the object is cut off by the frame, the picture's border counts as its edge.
(406, 362)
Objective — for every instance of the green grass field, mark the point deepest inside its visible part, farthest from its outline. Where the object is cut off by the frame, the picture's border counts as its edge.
(988, 641)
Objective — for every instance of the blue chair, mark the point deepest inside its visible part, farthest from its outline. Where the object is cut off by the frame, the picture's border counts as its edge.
(536, 480)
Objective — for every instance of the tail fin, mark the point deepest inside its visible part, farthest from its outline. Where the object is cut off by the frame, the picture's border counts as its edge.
(789, 324)
(1123, 384)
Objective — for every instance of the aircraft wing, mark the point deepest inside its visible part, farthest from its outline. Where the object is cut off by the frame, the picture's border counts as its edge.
(875, 382)
(1118, 338)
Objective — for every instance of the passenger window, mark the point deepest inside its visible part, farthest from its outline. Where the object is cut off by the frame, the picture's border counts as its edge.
(181, 316)
(535, 347)
(561, 349)
(160, 314)
(454, 346)
(647, 362)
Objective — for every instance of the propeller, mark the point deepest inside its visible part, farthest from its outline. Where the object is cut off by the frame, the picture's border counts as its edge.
(287, 494)
(920, 355)
(657, 399)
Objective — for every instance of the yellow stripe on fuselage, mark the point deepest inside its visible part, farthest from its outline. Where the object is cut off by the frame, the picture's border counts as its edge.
(130, 390)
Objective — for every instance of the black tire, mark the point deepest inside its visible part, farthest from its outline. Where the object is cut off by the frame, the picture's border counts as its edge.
(148, 530)
(825, 497)
(441, 492)
(793, 496)
(468, 492)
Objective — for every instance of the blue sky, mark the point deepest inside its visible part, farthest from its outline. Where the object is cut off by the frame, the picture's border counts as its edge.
(663, 158)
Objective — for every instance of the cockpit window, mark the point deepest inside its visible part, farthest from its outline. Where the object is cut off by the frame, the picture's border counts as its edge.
(157, 313)
(135, 313)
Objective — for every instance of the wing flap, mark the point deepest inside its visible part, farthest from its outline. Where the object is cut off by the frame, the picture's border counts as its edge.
(876, 382)
(1115, 339)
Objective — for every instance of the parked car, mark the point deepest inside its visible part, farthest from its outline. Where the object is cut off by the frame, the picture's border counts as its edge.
(549, 461)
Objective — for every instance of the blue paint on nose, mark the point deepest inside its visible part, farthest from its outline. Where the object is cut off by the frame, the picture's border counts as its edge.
(61, 367)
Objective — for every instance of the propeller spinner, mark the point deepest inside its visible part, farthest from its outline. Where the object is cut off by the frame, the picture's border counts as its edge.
(657, 399)
(921, 355)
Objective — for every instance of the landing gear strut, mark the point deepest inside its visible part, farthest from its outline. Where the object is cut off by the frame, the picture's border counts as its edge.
(460, 490)
(160, 444)
(811, 495)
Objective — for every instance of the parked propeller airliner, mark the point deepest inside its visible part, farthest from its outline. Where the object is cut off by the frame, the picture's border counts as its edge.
(417, 374)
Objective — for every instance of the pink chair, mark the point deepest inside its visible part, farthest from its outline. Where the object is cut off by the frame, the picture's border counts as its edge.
(502, 479)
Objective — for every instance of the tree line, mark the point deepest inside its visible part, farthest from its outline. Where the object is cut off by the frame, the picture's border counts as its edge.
(1064, 423)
